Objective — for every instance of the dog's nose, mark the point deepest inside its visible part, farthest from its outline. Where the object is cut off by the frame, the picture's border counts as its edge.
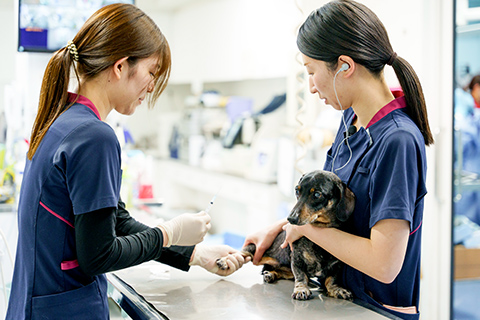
(292, 219)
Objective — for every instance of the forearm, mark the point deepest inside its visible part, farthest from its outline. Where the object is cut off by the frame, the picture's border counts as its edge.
(175, 256)
(125, 224)
(380, 257)
(352, 250)
(100, 250)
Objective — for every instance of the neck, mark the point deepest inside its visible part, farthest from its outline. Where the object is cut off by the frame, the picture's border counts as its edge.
(372, 95)
(95, 90)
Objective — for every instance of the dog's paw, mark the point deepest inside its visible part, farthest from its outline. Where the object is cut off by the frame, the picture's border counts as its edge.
(301, 292)
(335, 291)
(268, 277)
(340, 293)
(222, 263)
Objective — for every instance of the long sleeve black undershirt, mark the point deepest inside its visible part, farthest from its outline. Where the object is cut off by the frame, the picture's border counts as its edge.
(110, 239)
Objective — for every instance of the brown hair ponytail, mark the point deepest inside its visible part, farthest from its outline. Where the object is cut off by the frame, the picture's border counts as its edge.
(53, 96)
(346, 27)
(113, 32)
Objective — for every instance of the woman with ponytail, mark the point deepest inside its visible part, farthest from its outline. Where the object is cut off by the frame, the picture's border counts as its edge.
(73, 227)
(379, 152)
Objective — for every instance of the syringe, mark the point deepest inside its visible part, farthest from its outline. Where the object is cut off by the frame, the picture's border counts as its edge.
(207, 210)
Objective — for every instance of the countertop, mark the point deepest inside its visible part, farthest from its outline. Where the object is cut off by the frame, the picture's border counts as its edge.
(157, 291)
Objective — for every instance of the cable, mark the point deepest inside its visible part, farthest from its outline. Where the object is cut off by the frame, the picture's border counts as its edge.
(344, 124)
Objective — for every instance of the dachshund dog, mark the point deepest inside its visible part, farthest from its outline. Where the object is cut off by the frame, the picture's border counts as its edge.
(324, 201)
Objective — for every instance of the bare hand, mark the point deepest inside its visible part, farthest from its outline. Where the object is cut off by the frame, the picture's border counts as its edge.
(263, 239)
(293, 233)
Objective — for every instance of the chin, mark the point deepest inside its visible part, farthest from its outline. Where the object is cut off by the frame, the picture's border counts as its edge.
(127, 112)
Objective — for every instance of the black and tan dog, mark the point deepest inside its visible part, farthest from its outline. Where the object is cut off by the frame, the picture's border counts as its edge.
(324, 201)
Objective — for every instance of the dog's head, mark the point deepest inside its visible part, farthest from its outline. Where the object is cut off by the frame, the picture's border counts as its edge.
(323, 200)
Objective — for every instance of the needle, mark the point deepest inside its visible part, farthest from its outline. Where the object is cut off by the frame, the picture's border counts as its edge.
(207, 210)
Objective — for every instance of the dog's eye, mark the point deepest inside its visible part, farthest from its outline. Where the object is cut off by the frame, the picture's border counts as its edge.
(297, 193)
(317, 195)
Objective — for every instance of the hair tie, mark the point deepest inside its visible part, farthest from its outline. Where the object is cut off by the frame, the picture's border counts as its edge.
(392, 58)
(72, 48)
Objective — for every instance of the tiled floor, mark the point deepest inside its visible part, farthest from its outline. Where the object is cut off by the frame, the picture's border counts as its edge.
(466, 300)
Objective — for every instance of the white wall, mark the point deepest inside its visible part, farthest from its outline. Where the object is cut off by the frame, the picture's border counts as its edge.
(8, 43)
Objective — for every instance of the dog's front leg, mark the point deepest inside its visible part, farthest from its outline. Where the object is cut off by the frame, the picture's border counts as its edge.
(301, 290)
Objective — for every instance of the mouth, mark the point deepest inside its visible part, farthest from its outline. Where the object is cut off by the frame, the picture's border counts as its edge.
(320, 221)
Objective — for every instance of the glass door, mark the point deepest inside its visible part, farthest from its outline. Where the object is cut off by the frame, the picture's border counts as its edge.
(466, 162)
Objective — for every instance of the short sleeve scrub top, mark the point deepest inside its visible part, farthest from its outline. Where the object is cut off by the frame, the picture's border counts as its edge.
(76, 169)
(387, 173)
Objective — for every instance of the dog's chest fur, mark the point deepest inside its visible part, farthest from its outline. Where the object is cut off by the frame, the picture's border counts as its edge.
(314, 260)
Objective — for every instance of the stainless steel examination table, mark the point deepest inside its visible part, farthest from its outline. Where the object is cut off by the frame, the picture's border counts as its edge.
(156, 291)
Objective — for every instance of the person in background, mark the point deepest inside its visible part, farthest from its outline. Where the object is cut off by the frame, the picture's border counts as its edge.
(467, 99)
(345, 49)
(467, 146)
(73, 227)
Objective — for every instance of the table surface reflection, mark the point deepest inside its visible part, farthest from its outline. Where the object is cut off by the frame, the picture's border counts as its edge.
(198, 294)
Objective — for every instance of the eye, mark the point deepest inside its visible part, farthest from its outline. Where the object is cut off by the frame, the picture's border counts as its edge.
(317, 195)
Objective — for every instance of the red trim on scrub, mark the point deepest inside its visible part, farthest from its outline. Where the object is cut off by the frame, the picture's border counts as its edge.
(416, 228)
(398, 103)
(57, 215)
(68, 265)
(85, 101)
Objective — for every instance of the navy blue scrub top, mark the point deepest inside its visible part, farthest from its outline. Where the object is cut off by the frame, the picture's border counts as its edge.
(76, 169)
(387, 173)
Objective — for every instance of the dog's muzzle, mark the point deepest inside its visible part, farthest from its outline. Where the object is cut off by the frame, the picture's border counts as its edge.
(294, 217)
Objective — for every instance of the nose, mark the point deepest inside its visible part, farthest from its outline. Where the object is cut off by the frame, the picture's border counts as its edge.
(313, 90)
(293, 217)
(292, 220)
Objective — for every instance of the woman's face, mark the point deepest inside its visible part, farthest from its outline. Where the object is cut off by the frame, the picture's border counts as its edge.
(320, 80)
(134, 87)
(476, 92)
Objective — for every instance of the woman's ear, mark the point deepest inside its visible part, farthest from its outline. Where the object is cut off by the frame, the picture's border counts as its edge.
(120, 67)
(351, 65)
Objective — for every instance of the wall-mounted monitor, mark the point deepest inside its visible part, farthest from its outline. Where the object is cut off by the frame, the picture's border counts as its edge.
(47, 25)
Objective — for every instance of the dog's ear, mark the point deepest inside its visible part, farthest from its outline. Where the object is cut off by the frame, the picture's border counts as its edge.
(346, 204)
(301, 178)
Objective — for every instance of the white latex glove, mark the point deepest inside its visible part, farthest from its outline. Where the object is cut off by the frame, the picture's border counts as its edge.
(187, 229)
(206, 257)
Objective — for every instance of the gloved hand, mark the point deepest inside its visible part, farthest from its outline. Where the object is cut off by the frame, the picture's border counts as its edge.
(187, 229)
(206, 257)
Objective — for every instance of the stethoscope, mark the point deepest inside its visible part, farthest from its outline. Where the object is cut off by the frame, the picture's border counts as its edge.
(349, 131)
